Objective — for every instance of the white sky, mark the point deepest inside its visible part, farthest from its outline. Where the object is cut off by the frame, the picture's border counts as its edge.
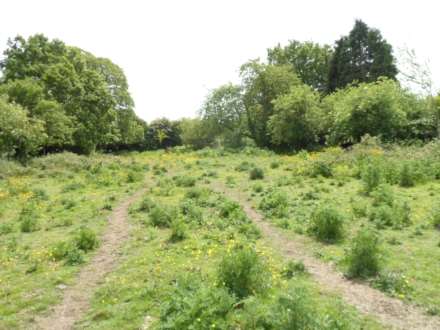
(174, 51)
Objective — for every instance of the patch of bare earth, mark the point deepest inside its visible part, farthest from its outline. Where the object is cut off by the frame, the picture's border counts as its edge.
(77, 298)
(389, 311)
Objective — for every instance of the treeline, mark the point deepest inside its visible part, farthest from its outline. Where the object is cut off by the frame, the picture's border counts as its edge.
(56, 97)
(307, 95)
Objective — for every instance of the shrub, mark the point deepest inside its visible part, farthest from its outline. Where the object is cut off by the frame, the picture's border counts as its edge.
(383, 195)
(135, 176)
(372, 177)
(258, 188)
(185, 181)
(146, 205)
(74, 257)
(436, 217)
(6, 228)
(249, 230)
(294, 268)
(67, 251)
(275, 204)
(327, 224)
(179, 230)
(28, 219)
(392, 283)
(86, 239)
(320, 168)
(192, 212)
(196, 308)
(243, 272)
(243, 167)
(256, 173)
(274, 164)
(161, 216)
(406, 177)
(227, 208)
(397, 216)
(360, 209)
(364, 256)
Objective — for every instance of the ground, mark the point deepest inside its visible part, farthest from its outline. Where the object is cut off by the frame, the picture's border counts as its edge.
(139, 240)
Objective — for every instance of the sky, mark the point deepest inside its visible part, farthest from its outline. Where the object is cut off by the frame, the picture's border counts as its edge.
(174, 52)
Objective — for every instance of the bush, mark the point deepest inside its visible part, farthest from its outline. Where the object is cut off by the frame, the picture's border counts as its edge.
(196, 308)
(406, 177)
(185, 181)
(243, 272)
(227, 208)
(258, 188)
(372, 177)
(86, 239)
(294, 268)
(146, 205)
(364, 256)
(436, 217)
(6, 228)
(397, 216)
(274, 164)
(327, 224)
(68, 251)
(392, 283)
(179, 230)
(256, 173)
(192, 212)
(383, 195)
(275, 204)
(320, 168)
(28, 219)
(161, 216)
(243, 167)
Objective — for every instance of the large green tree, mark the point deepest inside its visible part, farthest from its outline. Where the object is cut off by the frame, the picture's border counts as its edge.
(262, 85)
(83, 96)
(362, 56)
(223, 114)
(309, 60)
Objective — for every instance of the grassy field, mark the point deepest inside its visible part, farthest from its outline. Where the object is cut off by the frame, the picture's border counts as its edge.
(194, 260)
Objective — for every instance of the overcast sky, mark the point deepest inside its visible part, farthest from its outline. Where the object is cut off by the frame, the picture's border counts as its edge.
(174, 52)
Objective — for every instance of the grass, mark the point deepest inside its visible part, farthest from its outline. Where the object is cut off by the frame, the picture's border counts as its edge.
(181, 227)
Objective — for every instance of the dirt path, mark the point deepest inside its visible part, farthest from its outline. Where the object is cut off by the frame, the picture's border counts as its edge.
(77, 297)
(389, 311)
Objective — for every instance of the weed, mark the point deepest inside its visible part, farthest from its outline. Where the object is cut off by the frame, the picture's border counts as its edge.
(293, 268)
(179, 230)
(364, 256)
(243, 272)
(162, 216)
(274, 204)
(256, 173)
(86, 239)
(327, 224)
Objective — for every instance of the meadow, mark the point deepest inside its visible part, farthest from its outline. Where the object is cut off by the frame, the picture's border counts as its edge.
(195, 258)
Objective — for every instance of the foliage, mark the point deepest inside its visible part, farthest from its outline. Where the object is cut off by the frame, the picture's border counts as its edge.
(327, 224)
(364, 257)
(309, 60)
(256, 173)
(179, 230)
(392, 283)
(243, 272)
(195, 133)
(362, 56)
(162, 216)
(275, 203)
(296, 119)
(86, 239)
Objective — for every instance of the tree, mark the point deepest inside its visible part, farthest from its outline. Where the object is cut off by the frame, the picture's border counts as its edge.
(88, 92)
(223, 113)
(20, 136)
(309, 60)
(195, 133)
(263, 84)
(362, 56)
(380, 109)
(162, 133)
(295, 122)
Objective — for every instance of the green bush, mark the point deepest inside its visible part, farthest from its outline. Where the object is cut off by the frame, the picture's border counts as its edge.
(274, 164)
(243, 167)
(185, 181)
(243, 272)
(371, 177)
(396, 216)
(162, 216)
(327, 224)
(6, 228)
(293, 268)
(227, 208)
(146, 205)
(28, 218)
(406, 177)
(364, 256)
(383, 194)
(191, 211)
(86, 239)
(179, 230)
(320, 168)
(275, 204)
(69, 252)
(392, 283)
(436, 216)
(256, 173)
(196, 308)
(258, 188)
